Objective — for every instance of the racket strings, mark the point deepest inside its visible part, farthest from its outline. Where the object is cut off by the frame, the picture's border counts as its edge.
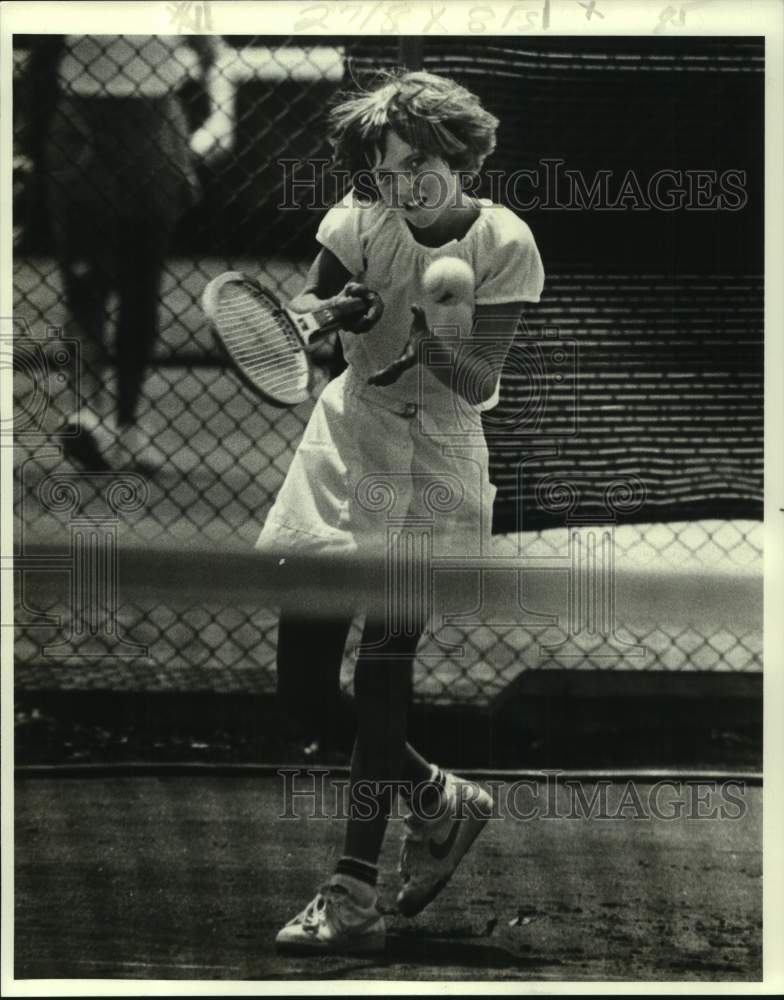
(241, 318)
(252, 330)
(260, 341)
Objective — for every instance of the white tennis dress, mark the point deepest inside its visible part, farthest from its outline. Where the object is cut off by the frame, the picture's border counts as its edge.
(410, 457)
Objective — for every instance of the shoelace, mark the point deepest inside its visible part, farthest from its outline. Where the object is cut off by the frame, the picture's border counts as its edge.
(322, 901)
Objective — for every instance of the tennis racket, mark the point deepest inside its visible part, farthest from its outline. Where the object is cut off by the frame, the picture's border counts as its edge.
(267, 343)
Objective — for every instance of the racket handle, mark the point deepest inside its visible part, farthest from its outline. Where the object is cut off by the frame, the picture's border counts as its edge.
(330, 317)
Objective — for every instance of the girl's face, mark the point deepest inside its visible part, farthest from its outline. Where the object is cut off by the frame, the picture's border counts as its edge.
(419, 185)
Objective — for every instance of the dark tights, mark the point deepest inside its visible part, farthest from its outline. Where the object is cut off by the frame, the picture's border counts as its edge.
(310, 653)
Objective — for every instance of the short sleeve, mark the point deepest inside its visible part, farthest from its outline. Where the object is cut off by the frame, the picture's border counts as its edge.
(513, 270)
(340, 232)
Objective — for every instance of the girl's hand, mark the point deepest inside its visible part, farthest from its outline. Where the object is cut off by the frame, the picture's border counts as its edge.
(410, 355)
(373, 310)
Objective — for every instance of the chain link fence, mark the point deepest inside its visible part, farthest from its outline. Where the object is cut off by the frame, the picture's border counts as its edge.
(662, 400)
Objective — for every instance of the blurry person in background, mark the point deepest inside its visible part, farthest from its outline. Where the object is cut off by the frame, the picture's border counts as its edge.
(119, 172)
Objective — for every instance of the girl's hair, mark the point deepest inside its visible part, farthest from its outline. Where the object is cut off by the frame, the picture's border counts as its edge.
(432, 114)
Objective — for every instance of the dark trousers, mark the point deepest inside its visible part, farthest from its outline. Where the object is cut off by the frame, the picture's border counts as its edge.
(119, 177)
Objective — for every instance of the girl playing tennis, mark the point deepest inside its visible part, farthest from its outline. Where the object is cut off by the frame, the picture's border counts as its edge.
(393, 445)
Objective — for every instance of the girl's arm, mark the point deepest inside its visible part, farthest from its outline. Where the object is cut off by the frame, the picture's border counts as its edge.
(480, 347)
(482, 351)
(329, 279)
(326, 278)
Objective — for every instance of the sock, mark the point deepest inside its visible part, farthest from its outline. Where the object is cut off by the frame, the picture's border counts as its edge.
(358, 877)
(437, 777)
(429, 800)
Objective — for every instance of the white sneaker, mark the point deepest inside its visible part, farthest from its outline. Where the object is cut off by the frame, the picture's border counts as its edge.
(334, 922)
(432, 850)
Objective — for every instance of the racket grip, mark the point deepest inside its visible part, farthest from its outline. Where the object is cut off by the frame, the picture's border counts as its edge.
(330, 317)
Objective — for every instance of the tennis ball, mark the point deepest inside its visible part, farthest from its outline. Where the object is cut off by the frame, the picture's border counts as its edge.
(449, 279)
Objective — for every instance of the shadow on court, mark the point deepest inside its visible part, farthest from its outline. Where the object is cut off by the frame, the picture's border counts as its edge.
(191, 877)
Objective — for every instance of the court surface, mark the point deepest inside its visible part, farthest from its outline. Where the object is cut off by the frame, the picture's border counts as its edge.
(156, 877)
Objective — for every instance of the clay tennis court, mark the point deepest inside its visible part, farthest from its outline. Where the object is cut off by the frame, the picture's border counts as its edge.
(190, 877)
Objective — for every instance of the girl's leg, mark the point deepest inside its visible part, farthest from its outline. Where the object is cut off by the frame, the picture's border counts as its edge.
(309, 657)
(344, 914)
(381, 759)
(422, 778)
